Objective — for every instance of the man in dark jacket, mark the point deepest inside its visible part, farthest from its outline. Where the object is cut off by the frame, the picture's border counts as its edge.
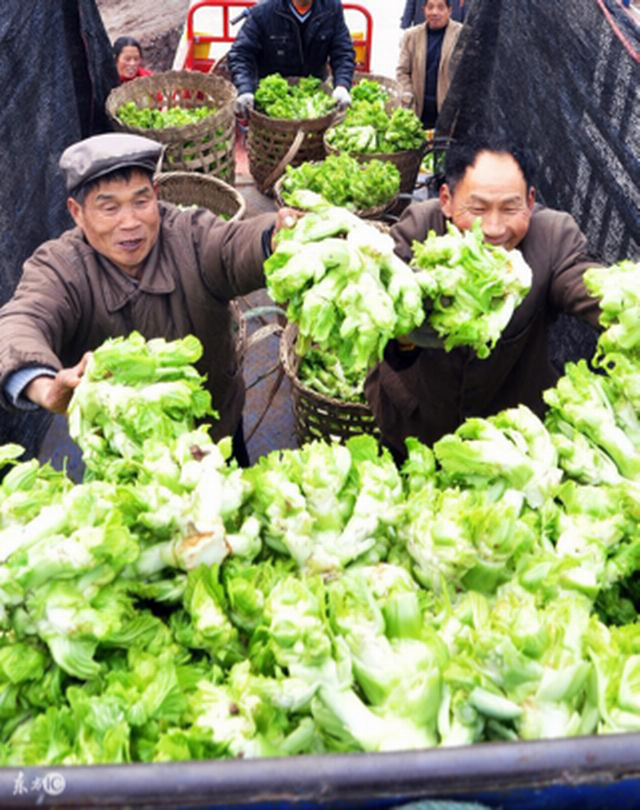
(421, 390)
(131, 263)
(293, 38)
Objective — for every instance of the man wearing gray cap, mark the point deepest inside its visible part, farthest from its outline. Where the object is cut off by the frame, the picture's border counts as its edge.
(132, 262)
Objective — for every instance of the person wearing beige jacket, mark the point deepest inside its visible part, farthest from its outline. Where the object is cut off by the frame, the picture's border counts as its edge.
(424, 69)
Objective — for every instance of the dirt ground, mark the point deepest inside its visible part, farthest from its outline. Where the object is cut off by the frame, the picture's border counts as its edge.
(156, 25)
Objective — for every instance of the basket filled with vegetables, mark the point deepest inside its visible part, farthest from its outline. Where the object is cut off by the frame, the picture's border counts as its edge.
(192, 189)
(287, 126)
(369, 131)
(191, 113)
(368, 190)
(348, 294)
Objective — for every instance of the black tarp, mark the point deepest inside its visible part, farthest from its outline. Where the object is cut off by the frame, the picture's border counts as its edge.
(562, 78)
(56, 70)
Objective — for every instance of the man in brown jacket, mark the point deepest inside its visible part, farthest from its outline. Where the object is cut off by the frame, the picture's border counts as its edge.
(424, 69)
(131, 263)
(422, 390)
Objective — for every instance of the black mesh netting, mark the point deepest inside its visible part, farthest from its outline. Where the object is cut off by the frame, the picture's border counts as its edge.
(562, 78)
(56, 70)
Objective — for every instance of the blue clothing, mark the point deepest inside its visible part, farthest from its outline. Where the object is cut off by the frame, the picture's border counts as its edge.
(434, 52)
(17, 382)
(298, 15)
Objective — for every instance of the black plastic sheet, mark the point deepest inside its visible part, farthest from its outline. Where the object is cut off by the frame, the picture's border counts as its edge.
(56, 70)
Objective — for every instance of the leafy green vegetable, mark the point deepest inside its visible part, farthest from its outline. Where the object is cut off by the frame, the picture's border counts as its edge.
(305, 99)
(152, 118)
(341, 180)
(369, 129)
(474, 287)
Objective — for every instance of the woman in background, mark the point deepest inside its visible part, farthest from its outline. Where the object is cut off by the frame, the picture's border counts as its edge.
(127, 52)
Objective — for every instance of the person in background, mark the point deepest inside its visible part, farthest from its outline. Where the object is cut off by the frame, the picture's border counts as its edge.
(421, 390)
(127, 52)
(131, 263)
(293, 38)
(413, 13)
(424, 68)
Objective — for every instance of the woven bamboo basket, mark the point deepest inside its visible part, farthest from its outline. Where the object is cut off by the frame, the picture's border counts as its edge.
(365, 213)
(190, 188)
(208, 146)
(407, 163)
(390, 85)
(275, 143)
(317, 416)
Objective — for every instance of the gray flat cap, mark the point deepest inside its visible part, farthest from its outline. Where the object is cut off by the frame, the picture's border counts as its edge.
(102, 154)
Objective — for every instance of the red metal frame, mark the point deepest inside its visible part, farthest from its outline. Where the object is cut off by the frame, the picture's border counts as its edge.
(204, 65)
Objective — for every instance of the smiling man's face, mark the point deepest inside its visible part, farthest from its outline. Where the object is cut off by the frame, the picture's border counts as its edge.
(120, 220)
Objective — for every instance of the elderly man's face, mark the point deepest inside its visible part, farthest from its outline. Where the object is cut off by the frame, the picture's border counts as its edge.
(437, 14)
(120, 220)
(493, 190)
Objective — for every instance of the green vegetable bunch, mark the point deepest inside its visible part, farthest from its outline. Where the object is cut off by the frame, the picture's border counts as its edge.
(342, 181)
(369, 129)
(152, 118)
(368, 91)
(345, 287)
(277, 98)
(474, 287)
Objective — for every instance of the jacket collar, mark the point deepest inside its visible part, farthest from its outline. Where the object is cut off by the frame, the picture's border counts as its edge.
(319, 9)
(118, 289)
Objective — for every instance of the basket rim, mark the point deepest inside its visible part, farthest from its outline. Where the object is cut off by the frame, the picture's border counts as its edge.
(147, 85)
(363, 213)
(287, 351)
(164, 178)
(374, 155)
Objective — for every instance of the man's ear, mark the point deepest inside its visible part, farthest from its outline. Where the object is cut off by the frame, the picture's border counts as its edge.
(75, 209)
(446, 200)
(531, 198)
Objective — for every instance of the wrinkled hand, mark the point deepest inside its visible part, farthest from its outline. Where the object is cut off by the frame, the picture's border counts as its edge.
(243, 104)
(54, 393)
(285, 218)
(342, 98)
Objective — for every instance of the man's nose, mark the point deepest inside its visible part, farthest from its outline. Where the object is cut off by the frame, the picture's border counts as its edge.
(129, 218)
(492, 225)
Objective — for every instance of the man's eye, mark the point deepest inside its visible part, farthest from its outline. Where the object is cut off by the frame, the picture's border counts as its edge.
(513, 209)
(476, 210)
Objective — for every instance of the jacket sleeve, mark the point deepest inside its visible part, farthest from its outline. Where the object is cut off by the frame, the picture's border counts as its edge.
(570, 261)
(412, 226)
(342, 56)
(231, 254)
(244, 55)
(40, 319)
(403, 70)
(407, 15)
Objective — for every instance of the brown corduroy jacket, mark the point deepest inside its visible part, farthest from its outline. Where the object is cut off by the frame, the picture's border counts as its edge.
(412, 65)
(435, 393)
(70, 299)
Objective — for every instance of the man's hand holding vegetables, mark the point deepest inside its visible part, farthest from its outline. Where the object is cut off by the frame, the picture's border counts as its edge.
(427, 392)
(293, 38)
(132, 262)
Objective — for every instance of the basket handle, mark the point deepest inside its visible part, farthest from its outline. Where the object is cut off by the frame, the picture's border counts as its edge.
(268, 329)
(289, 155)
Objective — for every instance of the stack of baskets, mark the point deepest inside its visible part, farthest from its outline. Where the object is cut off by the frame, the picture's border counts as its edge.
(275, 143)
(207, 146)
(318, 416)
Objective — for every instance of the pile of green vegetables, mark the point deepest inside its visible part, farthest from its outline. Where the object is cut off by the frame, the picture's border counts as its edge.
(474, 287)
(368, 128)
(342, 181)
(152, 118)
(175, 607)
(305, 99)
